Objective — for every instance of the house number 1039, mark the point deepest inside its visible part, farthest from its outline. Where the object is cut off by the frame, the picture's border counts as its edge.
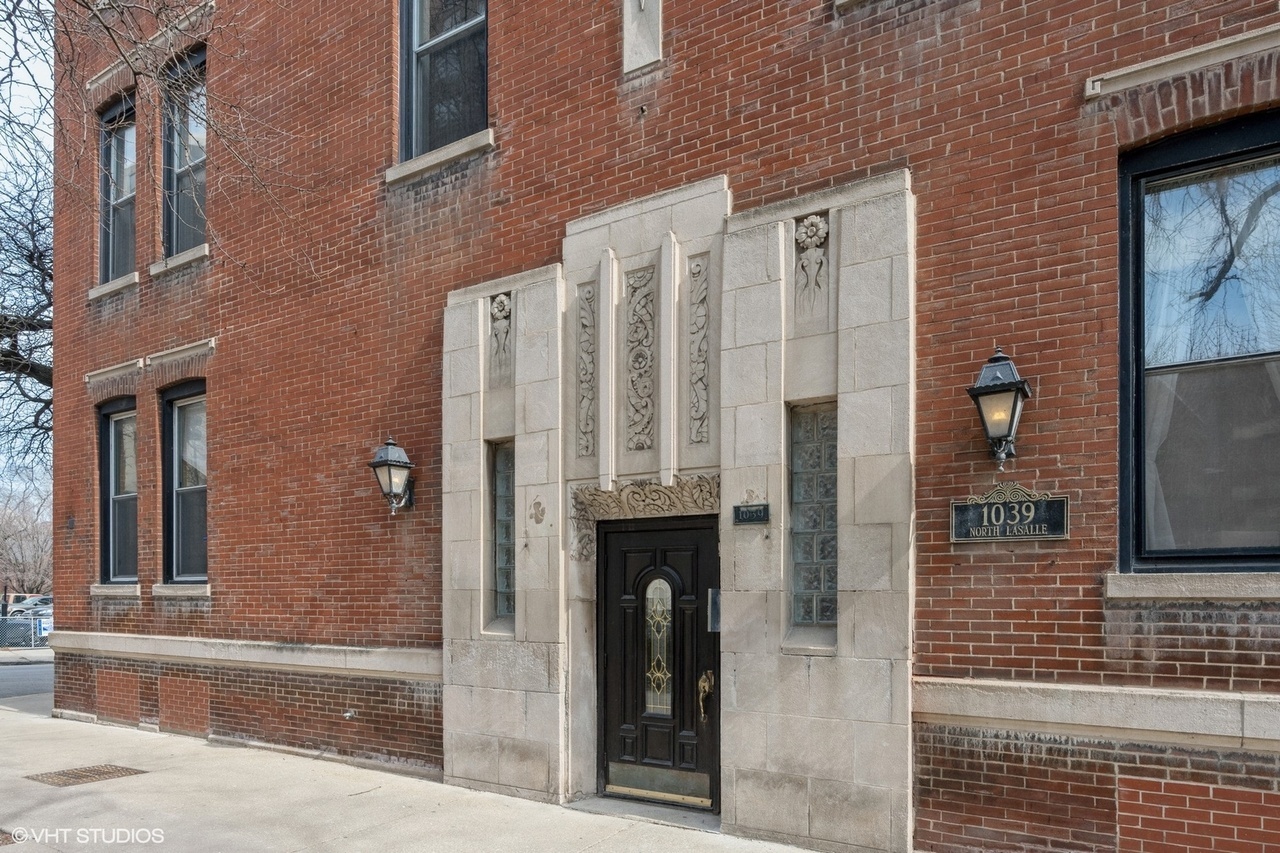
(997, 514)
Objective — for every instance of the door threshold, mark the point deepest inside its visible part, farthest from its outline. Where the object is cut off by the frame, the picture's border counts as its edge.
(698, 819)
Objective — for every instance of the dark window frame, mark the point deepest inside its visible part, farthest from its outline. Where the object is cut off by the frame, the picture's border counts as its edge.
(184, 77)
(110, 413)
(415, 137)
(1222, 145)
(112, 122)
(172, 399)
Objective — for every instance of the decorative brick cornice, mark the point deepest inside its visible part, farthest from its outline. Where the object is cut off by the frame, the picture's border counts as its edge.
(1152, 109)
(179, 364)
(120, 380)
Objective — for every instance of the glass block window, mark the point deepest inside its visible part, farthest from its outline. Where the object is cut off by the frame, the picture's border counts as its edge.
(504, 541)
(813, 514)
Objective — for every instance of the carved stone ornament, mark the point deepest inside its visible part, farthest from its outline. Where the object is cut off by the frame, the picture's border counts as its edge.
(811, 266)
(699, 350)
(696, 495)
(587, 370)
(500, 339)
(639, 361)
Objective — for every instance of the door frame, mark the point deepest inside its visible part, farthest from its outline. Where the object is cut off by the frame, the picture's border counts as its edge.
(603, 528)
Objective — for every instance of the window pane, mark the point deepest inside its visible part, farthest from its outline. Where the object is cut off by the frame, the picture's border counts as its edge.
(657, 643)
(124, 162)
(191, 445)
(436, 17)
(189, 531)
(188, 225)
(452, 91)
(1212, 470)
(192, 128)
(124, 538)
(121, 240)
(813, 515)
(1211, 264)
(504, 551)
(124, 455)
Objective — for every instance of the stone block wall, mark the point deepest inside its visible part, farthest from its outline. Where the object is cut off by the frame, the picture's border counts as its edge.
(817, 718)
(504, 673)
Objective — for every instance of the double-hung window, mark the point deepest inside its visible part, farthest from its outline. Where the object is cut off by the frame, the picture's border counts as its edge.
(119, 191)
(185, 118)
(1201, 314)
(185, 449)
(118, 470)
(445, 73)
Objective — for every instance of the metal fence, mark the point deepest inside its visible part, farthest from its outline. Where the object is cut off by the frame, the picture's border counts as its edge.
(24, 632)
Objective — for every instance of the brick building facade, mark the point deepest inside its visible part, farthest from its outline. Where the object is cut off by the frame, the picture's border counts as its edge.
(673, 307)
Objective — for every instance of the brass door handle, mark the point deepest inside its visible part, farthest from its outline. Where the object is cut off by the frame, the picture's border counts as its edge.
(706, 683)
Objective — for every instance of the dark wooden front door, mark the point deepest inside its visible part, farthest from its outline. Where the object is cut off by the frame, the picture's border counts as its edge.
(660, 660)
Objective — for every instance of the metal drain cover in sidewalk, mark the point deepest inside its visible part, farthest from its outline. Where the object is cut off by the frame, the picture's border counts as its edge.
(81, 775)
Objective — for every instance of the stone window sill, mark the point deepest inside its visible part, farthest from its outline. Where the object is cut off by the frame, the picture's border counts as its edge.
(116, 285)
(1238, 586)
(115, 590)
(501, 627)
(179, 261)
(810, 640)
(181, 591)
(476, 143)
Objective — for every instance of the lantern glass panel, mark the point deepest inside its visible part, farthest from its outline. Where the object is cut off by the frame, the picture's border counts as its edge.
(999, 413)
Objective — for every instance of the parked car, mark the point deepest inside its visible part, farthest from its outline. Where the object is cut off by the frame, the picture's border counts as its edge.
(22, 608)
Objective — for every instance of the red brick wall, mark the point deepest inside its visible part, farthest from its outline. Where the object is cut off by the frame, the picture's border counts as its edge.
(393, 721)
(183, 704)
(325, 288)
(987, 791)
(1179, 817)
(116, 696)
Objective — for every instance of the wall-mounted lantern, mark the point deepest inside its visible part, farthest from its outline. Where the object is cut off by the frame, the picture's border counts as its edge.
(391, 466)
(999, 394)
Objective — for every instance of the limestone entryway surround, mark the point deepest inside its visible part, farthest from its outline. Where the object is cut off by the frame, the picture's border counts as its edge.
(654, 374)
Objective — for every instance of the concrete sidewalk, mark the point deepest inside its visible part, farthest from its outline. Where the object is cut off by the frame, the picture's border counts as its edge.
(196, 796)
(18, 655)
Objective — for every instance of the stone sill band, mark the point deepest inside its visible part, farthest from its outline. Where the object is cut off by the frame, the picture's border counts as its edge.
(176, 262)
(1238, 720)
(476, 143)
(1209, 586)
(116, 285)
(407, 664)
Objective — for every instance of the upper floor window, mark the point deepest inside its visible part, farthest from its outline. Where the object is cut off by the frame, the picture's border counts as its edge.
(184, 154)
(119, 191)
(118, 475)
(185, 482)
(1201, 218)
(445, 73)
